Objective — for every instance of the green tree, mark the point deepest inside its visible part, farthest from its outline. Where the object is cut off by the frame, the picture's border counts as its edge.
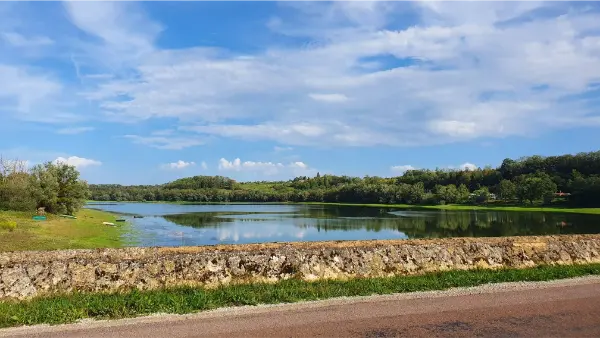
(536, 187)
(507, 190)
(416, 193)
(462, 194)
(72, 192)
(15, 190)
(482, 195)
(45, 187)
(446, 194)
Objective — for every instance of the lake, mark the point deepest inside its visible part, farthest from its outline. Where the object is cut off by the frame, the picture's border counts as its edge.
(178, 225)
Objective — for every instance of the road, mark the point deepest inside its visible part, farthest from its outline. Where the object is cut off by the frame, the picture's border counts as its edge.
(568, 308)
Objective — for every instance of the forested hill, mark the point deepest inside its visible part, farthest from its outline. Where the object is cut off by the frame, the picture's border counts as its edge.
(526, 180)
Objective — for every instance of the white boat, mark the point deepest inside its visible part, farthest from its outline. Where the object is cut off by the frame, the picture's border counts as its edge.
(108, 223)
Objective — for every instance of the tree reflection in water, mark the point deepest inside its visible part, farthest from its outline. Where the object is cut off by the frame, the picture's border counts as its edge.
(413, 223)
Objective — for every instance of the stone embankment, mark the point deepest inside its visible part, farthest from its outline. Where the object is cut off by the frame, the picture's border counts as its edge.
(32, 273)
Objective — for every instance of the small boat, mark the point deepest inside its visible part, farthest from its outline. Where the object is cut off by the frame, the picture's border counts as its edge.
(39, 218)
(108, 223)
(137, 216)
(121, 220)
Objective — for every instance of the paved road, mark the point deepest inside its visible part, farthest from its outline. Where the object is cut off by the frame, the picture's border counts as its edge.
(557, 309)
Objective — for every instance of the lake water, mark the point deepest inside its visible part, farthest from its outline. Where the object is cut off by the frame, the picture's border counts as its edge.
(176, 225)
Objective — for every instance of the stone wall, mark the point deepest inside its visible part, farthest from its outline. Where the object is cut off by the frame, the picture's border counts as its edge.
(31, 273)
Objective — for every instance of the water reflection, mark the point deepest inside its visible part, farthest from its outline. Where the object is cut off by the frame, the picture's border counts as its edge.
(213, 224)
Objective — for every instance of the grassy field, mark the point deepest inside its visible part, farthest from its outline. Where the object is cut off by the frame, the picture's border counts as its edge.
(85, 232)
(496, 207)
(70, 308)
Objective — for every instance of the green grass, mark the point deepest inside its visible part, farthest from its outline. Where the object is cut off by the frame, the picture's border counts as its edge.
(491, 206)
(85, 232)
(70, 308)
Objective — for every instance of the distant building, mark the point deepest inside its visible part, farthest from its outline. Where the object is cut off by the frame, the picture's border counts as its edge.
(490, 196)
(562, 194)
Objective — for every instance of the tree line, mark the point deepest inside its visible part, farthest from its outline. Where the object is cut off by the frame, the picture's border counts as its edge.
(56, 187)
(528, 180)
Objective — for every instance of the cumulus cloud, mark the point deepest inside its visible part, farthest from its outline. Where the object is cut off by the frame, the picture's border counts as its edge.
(178, 165)
(266, 168)
(204, 165)
(468, 166)
(78, 162)
(401, 169)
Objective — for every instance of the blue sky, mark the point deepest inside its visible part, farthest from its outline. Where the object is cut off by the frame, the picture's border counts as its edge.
(143, 93)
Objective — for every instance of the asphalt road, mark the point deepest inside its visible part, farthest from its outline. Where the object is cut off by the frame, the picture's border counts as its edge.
(556, 309)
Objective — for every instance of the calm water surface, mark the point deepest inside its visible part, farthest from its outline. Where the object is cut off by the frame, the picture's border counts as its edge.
(175, 225)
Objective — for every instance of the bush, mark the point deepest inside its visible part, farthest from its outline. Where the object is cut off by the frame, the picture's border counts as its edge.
(7, 224)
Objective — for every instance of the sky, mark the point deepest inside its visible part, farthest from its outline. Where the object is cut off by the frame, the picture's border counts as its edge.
(144, 93)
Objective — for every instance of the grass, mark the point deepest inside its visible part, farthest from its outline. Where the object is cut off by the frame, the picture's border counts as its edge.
(496, 207)
(85, 232)
(71, 308)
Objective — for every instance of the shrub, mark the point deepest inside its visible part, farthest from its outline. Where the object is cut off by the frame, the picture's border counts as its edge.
(7, 224)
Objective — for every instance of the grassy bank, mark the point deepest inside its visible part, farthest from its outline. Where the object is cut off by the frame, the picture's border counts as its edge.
(85, 232)
(490, 207)
(70, 308)
(457, 207)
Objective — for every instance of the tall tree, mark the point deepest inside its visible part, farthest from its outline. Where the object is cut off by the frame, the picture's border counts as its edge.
(72, 192)
(507, 190)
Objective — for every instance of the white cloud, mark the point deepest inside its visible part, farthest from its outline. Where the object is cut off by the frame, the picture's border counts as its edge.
(78, 162)
(166, 142)
(19, 40)
(459, 71)
(329, 97)
(74, 130)
(292, 169)
(300, 165)
(268, 168)
(468, 166)
(204, 165)
(25, 93)
(178, 165)
(472, 78)
(123, 29)
(278, 149)
(401, 169)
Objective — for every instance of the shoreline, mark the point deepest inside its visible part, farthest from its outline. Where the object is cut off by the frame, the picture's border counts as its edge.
(448, 207)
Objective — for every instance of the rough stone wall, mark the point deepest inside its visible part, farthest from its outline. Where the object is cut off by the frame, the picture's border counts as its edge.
(32, 273)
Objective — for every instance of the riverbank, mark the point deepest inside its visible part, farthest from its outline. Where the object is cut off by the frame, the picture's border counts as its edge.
(463, 207)
(450, 207)
(85, 232)
(74, 307)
